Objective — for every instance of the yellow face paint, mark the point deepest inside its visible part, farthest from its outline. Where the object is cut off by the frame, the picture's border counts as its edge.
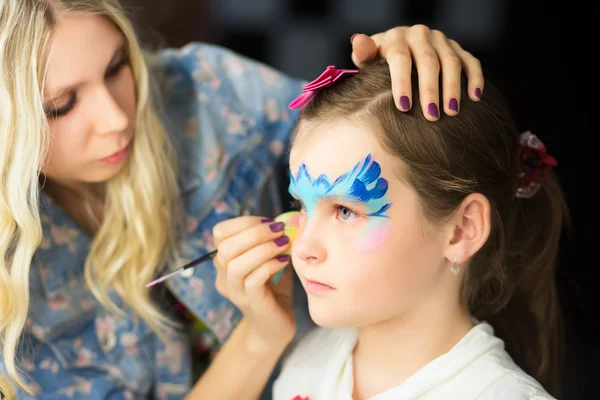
(290, 219)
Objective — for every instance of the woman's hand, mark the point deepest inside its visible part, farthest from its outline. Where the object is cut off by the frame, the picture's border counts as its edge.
(249, 253)
(432, 51)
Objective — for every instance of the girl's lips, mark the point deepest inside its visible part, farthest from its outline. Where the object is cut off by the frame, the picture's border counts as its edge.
(315, 287)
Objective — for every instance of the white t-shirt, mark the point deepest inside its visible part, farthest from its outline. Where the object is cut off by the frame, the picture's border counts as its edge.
(320, 367)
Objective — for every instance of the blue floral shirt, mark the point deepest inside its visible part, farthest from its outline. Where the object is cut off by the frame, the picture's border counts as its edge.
(230, 124)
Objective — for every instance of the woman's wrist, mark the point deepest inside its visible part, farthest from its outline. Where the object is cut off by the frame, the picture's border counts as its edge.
(256, 343)
(246, 361)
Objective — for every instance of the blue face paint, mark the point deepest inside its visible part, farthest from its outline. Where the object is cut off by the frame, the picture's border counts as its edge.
(363, 183)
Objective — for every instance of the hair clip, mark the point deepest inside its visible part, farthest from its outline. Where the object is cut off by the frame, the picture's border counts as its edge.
(534, 164)
(327, 78)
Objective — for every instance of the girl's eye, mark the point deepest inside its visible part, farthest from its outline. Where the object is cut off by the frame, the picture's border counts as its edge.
(346, 214)
(296, 205)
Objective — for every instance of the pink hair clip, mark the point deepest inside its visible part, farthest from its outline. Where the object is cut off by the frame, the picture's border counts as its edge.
(327, 78)
(534, 164)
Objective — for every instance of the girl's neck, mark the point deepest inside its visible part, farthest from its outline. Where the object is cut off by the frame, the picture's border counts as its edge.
(389, 352)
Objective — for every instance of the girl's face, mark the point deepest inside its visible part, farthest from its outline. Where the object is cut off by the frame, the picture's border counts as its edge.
(364, 251)
(89, 97)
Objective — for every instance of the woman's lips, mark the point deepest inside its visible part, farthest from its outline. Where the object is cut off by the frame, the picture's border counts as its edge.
(118, 157)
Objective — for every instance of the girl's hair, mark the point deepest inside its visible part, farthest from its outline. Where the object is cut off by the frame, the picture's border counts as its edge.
(510, 281)
(137, 235)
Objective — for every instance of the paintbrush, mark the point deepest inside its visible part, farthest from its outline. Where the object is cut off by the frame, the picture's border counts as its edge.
(189, 265)
(291, 225)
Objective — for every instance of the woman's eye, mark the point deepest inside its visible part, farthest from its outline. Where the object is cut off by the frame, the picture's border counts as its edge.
(63, 110)
(113, 70)
(346, 214)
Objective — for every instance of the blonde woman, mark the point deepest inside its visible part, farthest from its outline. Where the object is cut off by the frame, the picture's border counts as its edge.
(102, 189)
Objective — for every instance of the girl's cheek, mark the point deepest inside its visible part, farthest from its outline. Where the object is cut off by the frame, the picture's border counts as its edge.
(374, 235)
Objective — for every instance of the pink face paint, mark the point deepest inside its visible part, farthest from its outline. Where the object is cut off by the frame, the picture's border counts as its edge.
(374, 236)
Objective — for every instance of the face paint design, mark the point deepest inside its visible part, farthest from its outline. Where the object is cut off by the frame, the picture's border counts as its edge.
(363, 183)
(374, 235)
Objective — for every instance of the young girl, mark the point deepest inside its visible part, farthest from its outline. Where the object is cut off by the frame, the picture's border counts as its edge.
(99, 192)
(427, 250)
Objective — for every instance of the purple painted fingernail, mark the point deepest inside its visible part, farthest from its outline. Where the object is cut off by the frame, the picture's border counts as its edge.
(265, 220)
(282, 241)
(277, 227)
(404, 103)
(283, 258)
(478, 92)
(432, 109)
(453, 104)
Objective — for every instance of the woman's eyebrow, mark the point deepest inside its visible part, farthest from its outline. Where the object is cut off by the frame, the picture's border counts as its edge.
(55, 93)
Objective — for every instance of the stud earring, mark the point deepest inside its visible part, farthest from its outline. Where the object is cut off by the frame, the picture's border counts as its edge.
(455, 270)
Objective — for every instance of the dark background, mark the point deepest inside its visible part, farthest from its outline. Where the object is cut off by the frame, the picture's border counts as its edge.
(540, 54)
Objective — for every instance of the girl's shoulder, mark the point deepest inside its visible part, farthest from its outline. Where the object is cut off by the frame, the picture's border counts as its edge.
(486, 371)
(311, 363)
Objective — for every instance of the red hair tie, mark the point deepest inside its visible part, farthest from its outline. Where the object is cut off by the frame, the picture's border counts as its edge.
(534, 163)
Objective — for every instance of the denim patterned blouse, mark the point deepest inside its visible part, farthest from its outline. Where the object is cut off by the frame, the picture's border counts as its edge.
(229, 121)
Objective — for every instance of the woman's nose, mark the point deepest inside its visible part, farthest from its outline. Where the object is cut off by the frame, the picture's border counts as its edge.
(109, 117)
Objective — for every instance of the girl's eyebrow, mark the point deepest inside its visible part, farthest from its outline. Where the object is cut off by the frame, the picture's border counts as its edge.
(343, 198)
(335, 198)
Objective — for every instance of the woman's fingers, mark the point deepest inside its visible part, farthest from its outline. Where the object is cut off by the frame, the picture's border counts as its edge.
(472, 68)
(231, 227)
(255, 283)
(245, 245)
(364, 48)
(243, 266)
(248, 234)
(397, 53)
(431, 52)
(451, 72)
(428, 69)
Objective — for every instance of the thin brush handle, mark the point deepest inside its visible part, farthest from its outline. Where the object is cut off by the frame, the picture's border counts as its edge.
(191, 264)
(197, 261)
(200, 260)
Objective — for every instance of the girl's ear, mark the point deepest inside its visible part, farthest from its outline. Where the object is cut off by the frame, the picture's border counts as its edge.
(469, 229)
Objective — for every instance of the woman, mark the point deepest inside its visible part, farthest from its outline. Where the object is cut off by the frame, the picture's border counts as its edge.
(96, 199)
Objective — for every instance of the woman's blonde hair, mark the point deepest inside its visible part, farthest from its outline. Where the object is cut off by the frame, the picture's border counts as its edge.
(137, 234)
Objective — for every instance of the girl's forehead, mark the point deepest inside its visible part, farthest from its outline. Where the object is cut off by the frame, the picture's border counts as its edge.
(334, 148)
